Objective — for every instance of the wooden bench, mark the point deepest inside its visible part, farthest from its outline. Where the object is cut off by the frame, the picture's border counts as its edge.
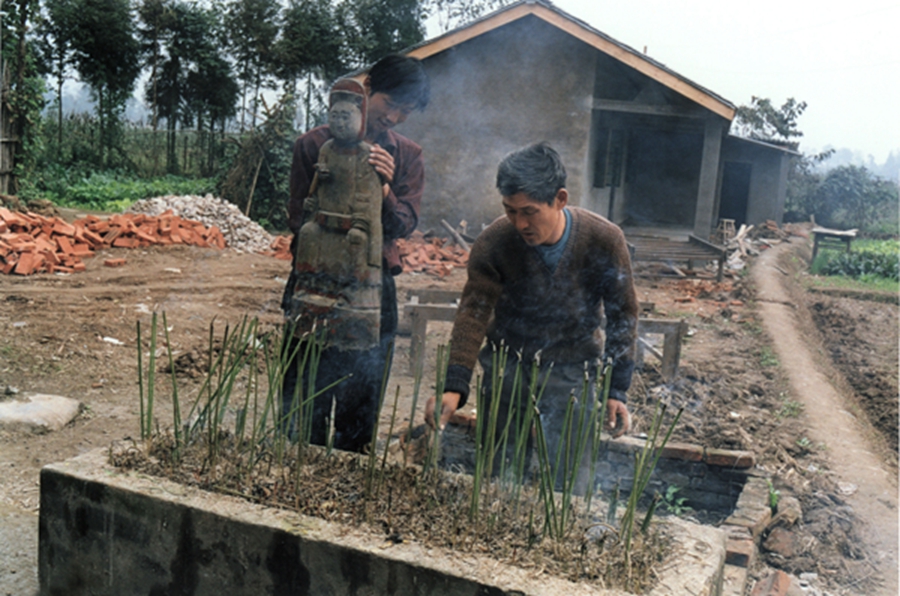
(666, 250)
(825, 236)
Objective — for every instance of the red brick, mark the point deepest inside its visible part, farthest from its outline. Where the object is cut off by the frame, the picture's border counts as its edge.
(682, 452)
(740, 552)
(738, 460)
(43, 243)
(781, 541)
(114, 262)
(26, 264)
(63, 228)
(92, 238)
(110, 236)
(100, 227)
(65, 245)
(22, 243)
(124, 242)
(142, 233)
(776, 583)
(82, 250)
(51, 258)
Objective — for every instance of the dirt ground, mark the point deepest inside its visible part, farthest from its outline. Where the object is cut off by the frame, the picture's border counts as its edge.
(76, 336)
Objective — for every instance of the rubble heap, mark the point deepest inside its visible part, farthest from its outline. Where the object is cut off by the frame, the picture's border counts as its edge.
(425, 253)
(240, 232)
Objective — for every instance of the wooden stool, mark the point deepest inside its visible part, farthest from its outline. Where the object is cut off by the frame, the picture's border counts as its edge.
(725, 231)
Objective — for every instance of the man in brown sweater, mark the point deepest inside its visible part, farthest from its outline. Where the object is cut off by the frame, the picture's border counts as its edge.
(539, 281)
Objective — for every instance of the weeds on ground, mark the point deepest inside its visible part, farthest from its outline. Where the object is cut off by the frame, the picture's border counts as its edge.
(767, 357)
(790, 408)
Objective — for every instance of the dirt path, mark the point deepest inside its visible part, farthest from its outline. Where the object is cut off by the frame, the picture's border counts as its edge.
(830, 420)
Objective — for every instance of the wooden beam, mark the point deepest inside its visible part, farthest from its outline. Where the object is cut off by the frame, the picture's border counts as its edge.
(631, 107)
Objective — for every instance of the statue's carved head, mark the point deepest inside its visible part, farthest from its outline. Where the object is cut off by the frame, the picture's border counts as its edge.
(347, 111)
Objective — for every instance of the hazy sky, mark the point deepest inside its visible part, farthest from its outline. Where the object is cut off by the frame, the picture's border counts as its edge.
(842, 59)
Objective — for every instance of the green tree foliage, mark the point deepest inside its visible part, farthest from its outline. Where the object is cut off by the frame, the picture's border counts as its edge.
(309, 43)
(844, 197)
(194, 83)
(107, 58)
(454, 13)
(153, 19)
(258, 180)
(375, 28)
(764, 122)
(851, 196)
(22, 90)
(310, 47)
(55, 47)
(252, 29)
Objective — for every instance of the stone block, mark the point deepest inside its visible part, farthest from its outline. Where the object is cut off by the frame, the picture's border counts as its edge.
(38, 413)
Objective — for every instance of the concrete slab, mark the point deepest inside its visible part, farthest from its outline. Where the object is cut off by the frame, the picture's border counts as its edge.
(104, 531)
(38, 413)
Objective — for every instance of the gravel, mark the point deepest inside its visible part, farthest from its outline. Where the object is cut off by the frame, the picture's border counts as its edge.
(240, 232)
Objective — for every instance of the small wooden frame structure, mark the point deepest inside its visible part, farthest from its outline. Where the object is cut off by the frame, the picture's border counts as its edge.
(441, 305)
(826, 236)
(423, 306)
(673, 332)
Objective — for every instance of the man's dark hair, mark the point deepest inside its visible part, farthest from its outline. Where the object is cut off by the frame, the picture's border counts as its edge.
(536, 170)
(402, 78)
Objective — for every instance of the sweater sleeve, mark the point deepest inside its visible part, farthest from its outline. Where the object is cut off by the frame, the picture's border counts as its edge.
(621, 307)
(480, 295)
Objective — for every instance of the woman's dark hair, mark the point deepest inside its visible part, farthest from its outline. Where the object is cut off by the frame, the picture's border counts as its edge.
(535, 170)
(403, 78)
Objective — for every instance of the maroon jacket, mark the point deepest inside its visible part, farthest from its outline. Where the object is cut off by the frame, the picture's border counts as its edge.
(400, 210)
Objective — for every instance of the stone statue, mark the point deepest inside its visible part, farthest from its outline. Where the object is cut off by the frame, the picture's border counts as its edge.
(339, 246)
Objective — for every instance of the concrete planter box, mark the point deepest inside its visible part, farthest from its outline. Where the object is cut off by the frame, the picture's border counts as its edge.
(105, 532)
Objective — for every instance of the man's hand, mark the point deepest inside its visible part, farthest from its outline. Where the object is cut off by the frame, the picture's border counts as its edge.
(617, 419)
(383, 162)
(449, 403)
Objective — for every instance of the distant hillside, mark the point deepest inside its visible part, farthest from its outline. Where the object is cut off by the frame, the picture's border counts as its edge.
(890, 169)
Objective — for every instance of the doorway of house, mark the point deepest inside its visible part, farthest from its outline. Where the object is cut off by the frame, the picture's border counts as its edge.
(735, 191)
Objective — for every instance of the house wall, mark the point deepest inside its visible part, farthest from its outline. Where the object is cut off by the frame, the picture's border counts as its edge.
(768, 179)
(521, 83)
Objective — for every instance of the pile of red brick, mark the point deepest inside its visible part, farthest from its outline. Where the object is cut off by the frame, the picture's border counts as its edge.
(31, 243)
(433, 255)
(280, 248)
(420, 254)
